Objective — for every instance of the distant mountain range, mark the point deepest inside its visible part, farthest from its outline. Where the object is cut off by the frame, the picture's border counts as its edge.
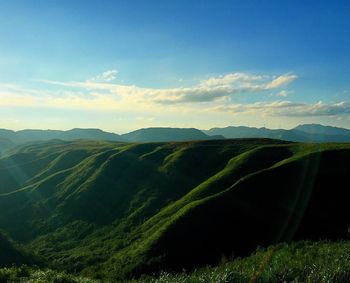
(25, 136)
(168, 134)
(9, 138)
(301, 133)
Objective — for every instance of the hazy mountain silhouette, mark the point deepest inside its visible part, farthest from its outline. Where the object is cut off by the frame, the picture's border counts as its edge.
(24, 136)
(167, 134)
(301, 133)
(322, 130)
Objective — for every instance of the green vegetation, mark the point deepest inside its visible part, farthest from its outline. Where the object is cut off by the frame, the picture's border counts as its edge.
(111, 210)
(34, 275)
(321, 262)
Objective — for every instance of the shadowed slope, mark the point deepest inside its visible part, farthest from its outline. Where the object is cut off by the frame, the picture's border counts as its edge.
(11, 254)
(301, 198)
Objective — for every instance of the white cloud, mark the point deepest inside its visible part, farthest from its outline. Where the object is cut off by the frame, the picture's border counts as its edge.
(215, 88)
(106, 76)
(119, 96)
(209, 90)
(230, 79)
(183, 107)
(281, 81)
(283, 93)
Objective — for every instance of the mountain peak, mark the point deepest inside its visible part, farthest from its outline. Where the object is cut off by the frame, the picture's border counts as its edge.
(162, 134)
(322, 129)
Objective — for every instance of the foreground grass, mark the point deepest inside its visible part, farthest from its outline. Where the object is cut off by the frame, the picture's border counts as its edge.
(33, 275)
(321, 262)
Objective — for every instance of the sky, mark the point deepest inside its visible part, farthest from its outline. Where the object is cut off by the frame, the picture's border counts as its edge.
(124, 65)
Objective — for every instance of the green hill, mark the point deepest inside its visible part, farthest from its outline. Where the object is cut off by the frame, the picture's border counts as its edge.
(5, 144)
(109, 209)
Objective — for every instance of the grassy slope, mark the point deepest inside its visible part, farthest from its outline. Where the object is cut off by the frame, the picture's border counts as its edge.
(26, 164)
(34, 275)
(303, 262)
(320, 262)
(112, 209)
(291, 200)
(5, 144)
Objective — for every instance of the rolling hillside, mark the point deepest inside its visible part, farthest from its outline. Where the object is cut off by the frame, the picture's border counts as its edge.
(5, 144)
(115, 210)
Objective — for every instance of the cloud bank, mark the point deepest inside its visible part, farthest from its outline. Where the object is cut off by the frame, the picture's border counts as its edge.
(213, 94)
(209, 90)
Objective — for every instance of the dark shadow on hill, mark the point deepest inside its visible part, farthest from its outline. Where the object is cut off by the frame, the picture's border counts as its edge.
(306, 198)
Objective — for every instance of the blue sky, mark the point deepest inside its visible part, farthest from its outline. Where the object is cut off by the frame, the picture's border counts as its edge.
(122, 65)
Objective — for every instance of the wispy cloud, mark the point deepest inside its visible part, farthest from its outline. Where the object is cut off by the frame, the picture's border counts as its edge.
(287, 108)
(229, 79)
(221, 87)
(106, 76)
(281, 81)
(283, 93)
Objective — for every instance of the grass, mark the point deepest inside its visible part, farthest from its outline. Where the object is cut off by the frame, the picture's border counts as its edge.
(316, 262)
(300, 262)
(34, 275)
